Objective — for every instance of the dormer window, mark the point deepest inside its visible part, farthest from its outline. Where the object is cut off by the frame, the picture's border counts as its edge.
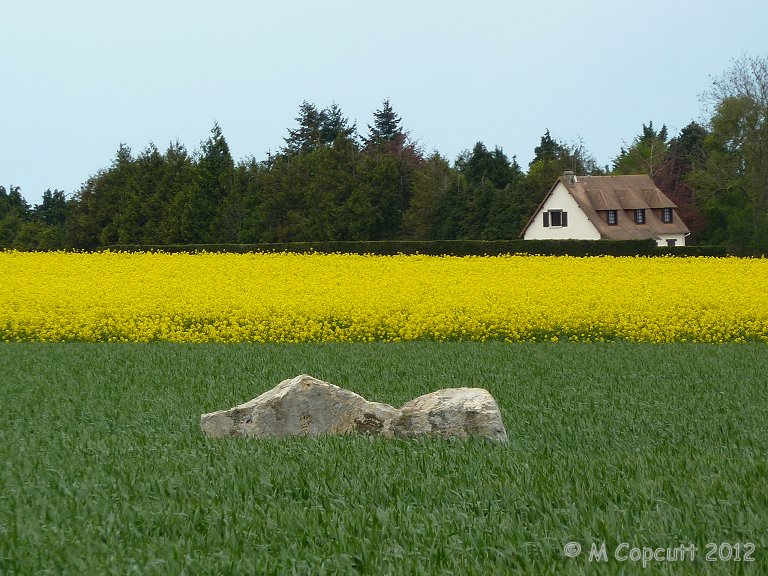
(612, 218)
(666, 215)
(555, 219)
(640, 216)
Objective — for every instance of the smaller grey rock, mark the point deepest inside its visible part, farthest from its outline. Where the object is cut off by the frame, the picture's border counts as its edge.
(451, 413)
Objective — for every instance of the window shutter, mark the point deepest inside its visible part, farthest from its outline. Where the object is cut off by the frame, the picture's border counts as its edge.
(546, 219)
(565, 219)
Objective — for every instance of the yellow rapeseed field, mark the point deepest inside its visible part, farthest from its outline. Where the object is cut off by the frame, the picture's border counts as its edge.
(330, 298)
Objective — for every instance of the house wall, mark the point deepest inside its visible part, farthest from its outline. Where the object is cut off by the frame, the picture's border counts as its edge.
(579, 227)
(661, 240)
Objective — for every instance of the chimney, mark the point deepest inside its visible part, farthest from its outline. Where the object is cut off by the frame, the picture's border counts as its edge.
(570, 177)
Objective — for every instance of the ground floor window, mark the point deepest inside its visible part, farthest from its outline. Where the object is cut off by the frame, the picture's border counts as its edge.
(671, 242)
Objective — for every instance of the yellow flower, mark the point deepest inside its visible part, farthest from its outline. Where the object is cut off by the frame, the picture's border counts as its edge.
(341, 298)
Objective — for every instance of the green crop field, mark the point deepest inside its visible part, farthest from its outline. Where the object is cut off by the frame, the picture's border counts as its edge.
(105, 469)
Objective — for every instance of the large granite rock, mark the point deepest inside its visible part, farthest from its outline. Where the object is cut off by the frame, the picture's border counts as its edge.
(306, 406)
(302, 406)
(451, 413)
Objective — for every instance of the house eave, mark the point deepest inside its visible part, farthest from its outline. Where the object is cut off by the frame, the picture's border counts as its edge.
(540, 206)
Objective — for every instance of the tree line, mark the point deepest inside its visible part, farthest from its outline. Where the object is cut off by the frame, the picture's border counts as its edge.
(329, 182)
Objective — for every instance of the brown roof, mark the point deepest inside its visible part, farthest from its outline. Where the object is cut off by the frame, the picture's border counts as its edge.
(597, 194)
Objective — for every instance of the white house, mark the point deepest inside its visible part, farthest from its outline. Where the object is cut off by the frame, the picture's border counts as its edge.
(606, 207)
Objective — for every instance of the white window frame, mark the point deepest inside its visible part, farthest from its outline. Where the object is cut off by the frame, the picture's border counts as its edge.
(562, 216)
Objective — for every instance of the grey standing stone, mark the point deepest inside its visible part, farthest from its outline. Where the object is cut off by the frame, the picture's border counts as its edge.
(302, 406)
(306, 406)
(451, 413)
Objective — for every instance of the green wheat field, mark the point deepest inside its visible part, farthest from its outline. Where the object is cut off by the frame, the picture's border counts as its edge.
(105, 470)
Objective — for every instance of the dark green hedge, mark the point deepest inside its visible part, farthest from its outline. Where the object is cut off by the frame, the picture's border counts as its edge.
(448, 247)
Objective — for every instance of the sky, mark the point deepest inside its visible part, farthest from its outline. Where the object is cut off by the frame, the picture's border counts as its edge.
(78, 78)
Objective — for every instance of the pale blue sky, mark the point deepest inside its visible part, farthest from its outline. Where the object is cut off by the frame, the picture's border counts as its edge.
(77, 78)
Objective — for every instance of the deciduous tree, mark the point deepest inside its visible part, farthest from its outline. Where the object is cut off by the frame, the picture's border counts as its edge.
(733, 183)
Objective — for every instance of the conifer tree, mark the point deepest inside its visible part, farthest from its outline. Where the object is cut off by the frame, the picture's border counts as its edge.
(386, 127)
(334, 125)
(646, 155)
(309, 134)
(53, 210)
(215, 175)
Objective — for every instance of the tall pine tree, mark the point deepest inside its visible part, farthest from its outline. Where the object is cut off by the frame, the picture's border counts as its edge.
(386, 127)
(309, 134)
(201, 217)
